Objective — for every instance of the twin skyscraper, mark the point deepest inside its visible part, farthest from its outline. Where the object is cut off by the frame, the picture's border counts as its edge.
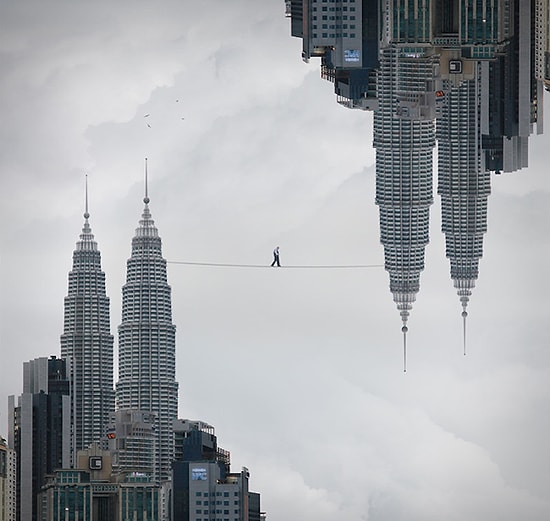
(147, 342)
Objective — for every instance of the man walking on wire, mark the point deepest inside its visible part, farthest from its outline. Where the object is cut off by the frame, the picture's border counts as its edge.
(276, 257)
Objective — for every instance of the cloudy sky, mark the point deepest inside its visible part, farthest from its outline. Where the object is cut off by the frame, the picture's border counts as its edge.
(300, 371)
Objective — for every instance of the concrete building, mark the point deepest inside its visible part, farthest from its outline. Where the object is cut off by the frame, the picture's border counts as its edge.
(147, 341)
(8, 461)
(92, 492)
(87, 342)
(39, 429)
(344, 35)
(203, 488)
(131, 440)
(515, 102)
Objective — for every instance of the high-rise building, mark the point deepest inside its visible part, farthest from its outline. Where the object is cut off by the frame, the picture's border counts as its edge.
(404, 137)
(39, 429)
(87, 343)
(203, 488)
(344, 35)
(464, 182)
(147, 344)
(515, 104)
(8, 461)
(131, 440)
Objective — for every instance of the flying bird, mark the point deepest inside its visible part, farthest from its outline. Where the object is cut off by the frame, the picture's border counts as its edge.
(148, 125)
(146, 116)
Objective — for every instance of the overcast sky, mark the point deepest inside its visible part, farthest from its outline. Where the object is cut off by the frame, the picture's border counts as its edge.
(300, 371)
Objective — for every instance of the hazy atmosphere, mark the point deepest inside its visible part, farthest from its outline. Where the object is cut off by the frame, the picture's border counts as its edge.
(299, 370)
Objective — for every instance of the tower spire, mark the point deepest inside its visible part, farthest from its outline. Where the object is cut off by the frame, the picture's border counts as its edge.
(146, 198)
(464, 291)
(404, 330)
(86, 214)
(87, 241)
(464, 315)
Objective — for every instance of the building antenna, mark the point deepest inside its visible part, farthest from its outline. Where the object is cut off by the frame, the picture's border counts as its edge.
(464, 315)
(86, 214)
(404, 330)
(146, 198)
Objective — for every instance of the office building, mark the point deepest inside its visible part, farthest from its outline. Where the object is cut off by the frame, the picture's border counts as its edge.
(7, 481)
(344, 35)
(87, 343)
(147, 343)
(131, 440)
(515, 102)
(91, 491)
(203, 488)
(39, 429)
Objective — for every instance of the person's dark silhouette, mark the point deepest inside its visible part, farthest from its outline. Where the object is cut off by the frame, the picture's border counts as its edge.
(276, 257)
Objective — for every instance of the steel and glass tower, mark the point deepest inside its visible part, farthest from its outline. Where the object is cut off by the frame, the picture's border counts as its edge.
(404, 137)
(147, 340)
(464, 182)
(87, 343)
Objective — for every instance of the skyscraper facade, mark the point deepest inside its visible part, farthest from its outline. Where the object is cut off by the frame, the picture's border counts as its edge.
(147, 343)
(87, 343)
(464, 182)
(131, 440)
(39, 430)
(7, 481)
(404, 138)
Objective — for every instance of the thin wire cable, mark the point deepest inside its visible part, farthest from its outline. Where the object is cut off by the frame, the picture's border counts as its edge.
(325, 267)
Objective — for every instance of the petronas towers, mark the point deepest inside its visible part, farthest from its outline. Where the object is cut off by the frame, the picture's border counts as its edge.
(147, 358)
(463, 74)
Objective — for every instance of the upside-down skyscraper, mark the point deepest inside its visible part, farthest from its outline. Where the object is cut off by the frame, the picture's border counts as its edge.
(147, 340)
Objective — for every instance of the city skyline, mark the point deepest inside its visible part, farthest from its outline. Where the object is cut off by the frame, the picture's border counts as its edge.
(265, 157)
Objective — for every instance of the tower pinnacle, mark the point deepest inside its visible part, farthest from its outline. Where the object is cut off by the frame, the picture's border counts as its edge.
(146, 198)
(86, 214)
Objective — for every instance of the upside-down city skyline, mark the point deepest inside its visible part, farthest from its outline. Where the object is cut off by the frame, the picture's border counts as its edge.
(465, 67)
